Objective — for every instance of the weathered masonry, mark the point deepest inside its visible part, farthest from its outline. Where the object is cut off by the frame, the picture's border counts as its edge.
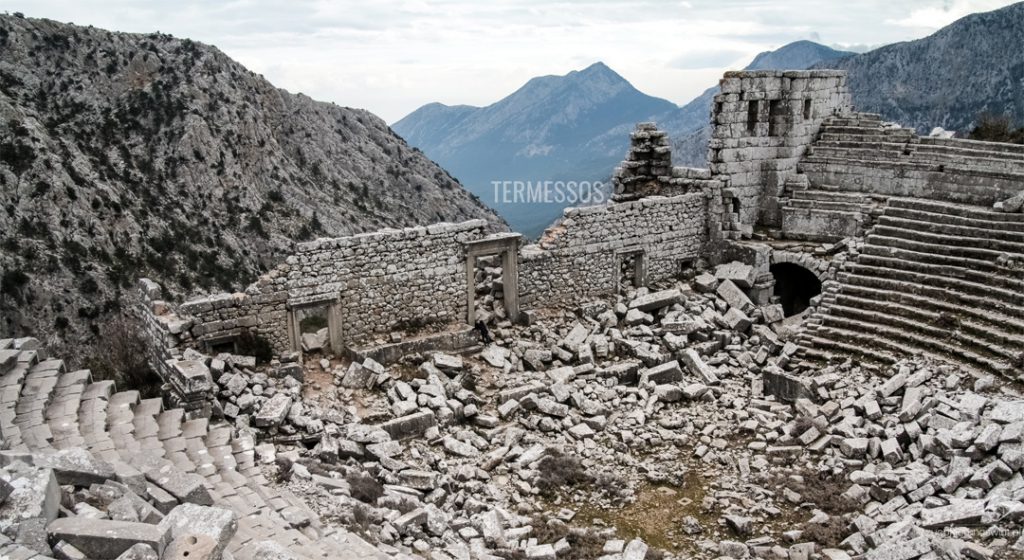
(909, 232)
(419, 281)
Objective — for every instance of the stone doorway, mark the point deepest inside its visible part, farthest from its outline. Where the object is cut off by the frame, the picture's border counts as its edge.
(486, 259)
(309, 320)
(795, 286)
(630, 272)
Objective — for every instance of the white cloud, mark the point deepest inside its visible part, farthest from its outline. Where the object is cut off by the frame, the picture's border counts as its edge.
(391, 56)
(936, 17)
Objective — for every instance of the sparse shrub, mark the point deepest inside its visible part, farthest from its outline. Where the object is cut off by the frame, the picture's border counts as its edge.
(12, 283)
(558, 471)
(252, 344)
(801, 425)
(364, 487)
(997, 128)
(119, 354)
(828, 534)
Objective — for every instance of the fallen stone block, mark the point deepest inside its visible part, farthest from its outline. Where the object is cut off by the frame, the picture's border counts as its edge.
(786, 387)
(694, 391)
(668, 372)
(185, 487)
(417, 479)
(742, 275)
(655, 300)
(705, 283)
(668, 393)
(191, 376)
(215, 523)
(698, 367)
(737, 320)
(411, 425)
(35, 493)
(958, 512)
(447, 362)
(76, 466)
(273, 411)
(734, 296)
(101, 539)
(414, 518)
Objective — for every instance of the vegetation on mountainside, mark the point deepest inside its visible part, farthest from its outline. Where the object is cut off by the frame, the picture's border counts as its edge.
(997, 128)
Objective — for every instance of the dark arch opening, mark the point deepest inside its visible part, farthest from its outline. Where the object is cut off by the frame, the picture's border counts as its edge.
(795, 286)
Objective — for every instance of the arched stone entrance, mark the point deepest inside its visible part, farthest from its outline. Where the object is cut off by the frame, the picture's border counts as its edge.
(795, 286)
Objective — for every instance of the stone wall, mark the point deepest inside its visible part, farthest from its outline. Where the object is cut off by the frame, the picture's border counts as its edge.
(579, 258)
(762, 124)
(389, 280)
(371, 284)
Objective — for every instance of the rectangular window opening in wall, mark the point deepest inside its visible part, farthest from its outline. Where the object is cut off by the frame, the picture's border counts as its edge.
(687, 269)
(807, 109)
(752, 117)
(718, 110)
(221, 346)
(774, 117)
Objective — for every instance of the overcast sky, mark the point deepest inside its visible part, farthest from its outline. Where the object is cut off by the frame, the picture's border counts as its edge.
(391, 56)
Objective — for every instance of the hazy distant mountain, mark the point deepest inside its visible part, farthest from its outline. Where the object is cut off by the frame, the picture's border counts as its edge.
(572, 127)
(947, 79)
(124, 155)
(552, 128)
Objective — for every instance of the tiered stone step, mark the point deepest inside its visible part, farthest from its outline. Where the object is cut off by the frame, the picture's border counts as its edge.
(92, 419)
(56, 409)
(825, 213)
(10, 393)
(858, 154)
(62, 414)
(932, 279)
(36, 394)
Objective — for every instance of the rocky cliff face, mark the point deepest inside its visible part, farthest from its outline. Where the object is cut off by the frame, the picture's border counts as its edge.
(124, 155)
(948, 79)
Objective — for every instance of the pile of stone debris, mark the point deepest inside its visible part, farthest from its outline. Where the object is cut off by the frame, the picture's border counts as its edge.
(654, 392)
(71, 505)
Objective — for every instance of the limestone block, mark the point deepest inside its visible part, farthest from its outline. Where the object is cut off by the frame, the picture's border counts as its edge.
(273, 411)
(101, 539)
(217, 524)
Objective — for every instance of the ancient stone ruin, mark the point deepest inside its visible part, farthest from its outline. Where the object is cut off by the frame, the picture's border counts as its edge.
(810, 349)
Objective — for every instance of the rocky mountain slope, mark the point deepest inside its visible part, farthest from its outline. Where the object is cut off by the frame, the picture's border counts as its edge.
(948, 79)
(124, 155)
(553, 128)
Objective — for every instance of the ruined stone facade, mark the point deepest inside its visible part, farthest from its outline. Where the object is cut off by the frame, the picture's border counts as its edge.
(788, 157)
(581, 257)
(762, 124)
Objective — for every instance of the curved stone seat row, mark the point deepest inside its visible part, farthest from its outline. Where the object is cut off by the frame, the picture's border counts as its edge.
(44, 407)
(934, 279)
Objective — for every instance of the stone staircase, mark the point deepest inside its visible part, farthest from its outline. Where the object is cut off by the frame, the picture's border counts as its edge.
(44, 407)
(825, 212)
(859, 154)
(933, 278)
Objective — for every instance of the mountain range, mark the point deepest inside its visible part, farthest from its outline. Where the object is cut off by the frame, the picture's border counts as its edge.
(560, 128)
(577, 125)
(126, 155)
